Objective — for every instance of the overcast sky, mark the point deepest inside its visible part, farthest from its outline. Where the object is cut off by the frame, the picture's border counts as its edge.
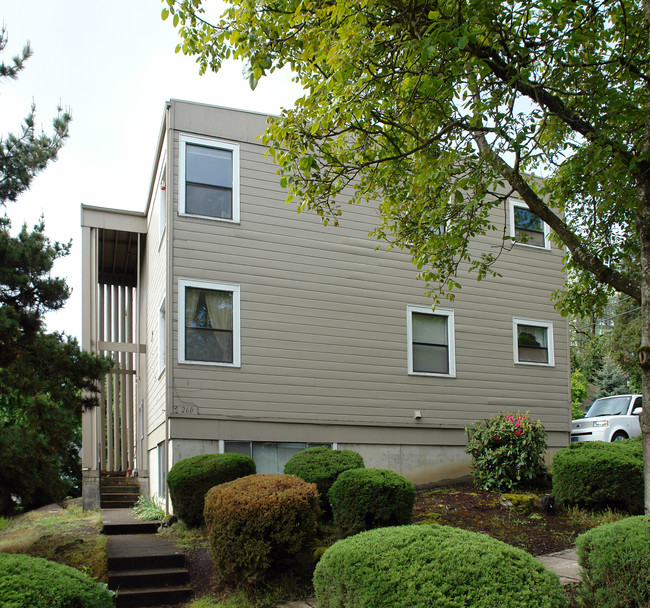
(113, 64)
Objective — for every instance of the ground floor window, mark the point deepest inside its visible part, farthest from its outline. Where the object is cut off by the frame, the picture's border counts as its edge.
(162, 469)
(269, 456)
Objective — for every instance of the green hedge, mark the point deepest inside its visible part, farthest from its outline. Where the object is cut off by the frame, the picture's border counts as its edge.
(362, 499)
(33, 582)
(190, 479)
(595, 475)
(322, 465)
(425, 566)
(258, 522)
(615, 560)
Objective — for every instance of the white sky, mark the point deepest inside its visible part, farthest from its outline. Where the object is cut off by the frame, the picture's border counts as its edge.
(113, 64)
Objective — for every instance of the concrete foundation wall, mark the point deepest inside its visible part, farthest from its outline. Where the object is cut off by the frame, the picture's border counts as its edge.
(419, 463)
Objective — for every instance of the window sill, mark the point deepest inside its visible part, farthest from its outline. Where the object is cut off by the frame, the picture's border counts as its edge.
(209, 217)
(209, 363)
(531, 246)
(534, 364)
(431, 375)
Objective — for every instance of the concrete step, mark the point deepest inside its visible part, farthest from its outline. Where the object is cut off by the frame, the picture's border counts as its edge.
(145, 569)
(119, 481)
(118, 502)
(155, 596)
(147, 578)
(122, 521)
(142, 552)
(116, 488)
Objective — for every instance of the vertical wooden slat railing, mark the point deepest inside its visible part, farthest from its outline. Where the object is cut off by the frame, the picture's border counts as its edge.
(116, 340)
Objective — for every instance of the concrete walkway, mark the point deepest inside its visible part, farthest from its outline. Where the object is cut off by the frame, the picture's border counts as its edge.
(564, 564)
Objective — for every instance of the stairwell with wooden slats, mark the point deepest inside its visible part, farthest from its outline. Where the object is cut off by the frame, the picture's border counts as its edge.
(119, 491)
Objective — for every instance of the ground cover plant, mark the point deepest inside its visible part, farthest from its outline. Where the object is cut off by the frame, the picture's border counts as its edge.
(149, 508)
(66, 535)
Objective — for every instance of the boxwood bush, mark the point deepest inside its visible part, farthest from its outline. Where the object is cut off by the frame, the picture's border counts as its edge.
(362, 499)
(594, 475)
(33, 582)
(190, 479)
(423, 566)
(322, 465)
(615, 560)
(260, 521)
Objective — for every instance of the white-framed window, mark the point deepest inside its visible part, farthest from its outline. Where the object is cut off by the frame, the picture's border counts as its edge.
(161, 337)
(431, 349)
(533, 342)
(208, 328)
(208, 178)
(269, 456)
(526, 228)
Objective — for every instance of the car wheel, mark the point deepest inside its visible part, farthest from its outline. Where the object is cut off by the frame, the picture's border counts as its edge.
(618, 435)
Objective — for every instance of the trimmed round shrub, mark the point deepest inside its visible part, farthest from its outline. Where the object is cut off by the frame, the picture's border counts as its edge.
(260, 521)
(424, 566)
(322, 465)
(596, 475)
(190, 479)
(507, 451)
(33, 582)
(362, 499)
(615, 560)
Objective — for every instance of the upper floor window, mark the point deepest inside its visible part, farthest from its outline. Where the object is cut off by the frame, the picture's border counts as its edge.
(533, 342)
(209, 327)
(209, 178)
(431, 341)
(526, 228)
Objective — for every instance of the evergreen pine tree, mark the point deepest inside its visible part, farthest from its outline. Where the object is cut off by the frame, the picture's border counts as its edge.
(45, 378)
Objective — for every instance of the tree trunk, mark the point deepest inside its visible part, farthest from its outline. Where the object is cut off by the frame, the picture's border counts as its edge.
(643, 222)
(644, 351)
(6, 502)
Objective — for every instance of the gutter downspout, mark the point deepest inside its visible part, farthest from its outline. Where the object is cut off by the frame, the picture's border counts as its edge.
(169, 288)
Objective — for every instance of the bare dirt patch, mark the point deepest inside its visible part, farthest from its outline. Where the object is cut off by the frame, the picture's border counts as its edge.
(464, 506)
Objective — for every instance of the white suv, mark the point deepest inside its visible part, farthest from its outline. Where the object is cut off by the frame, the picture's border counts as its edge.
(609, 419)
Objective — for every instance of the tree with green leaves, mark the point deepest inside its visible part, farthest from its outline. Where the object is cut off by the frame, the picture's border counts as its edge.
(579, 392)
(614, 335)
(442, 109)
(45, 378)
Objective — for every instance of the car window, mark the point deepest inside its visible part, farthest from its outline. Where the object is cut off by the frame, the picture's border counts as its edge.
(609, 406)
(638, 402)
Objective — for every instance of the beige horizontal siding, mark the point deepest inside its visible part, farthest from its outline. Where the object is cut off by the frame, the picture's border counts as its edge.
(323, 317)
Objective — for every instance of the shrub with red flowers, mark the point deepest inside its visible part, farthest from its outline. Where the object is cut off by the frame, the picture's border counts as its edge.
(507, 451)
